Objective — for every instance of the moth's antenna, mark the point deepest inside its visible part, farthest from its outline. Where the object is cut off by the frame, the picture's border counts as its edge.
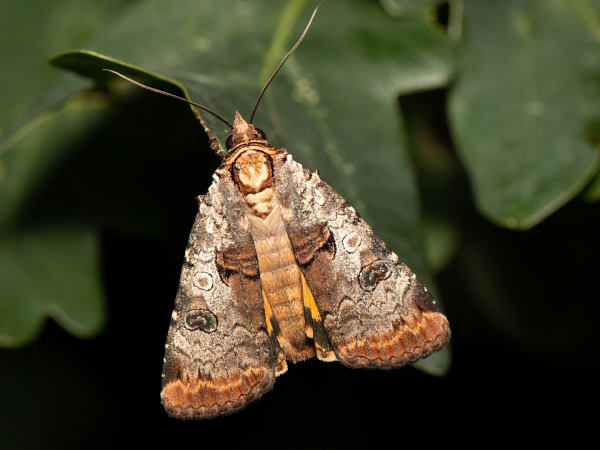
(284, 60)
(158, 91)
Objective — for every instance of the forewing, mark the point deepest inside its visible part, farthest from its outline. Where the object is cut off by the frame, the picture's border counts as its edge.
(218, 356)
(376, 313)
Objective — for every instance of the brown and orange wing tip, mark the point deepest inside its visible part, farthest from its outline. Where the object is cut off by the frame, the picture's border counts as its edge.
(206, 397)
(407, 340)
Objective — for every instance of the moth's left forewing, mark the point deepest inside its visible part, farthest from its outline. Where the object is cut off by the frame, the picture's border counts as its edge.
(219, 355)
(375, 311)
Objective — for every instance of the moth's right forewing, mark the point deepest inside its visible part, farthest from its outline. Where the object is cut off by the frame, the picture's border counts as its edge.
(218, 356)
(375, 311)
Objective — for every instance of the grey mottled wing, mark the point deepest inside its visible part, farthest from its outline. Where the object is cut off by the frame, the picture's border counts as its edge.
(218, 356)
(376, 313)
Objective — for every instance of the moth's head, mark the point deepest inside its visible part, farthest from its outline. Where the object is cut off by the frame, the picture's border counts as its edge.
(243, 132)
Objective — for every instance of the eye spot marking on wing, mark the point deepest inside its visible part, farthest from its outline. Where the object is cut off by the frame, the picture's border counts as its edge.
(351, 242)
(205, 257)
(201, 319)
(372, 274)
(203, 281)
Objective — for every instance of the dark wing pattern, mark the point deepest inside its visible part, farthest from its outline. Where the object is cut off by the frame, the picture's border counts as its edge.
(375, 311)
(218, 356)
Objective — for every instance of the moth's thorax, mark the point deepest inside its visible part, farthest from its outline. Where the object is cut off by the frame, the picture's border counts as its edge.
(253, 175)
(253, 171)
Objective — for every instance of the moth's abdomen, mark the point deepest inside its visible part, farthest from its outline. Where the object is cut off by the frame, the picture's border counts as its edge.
(282, 285)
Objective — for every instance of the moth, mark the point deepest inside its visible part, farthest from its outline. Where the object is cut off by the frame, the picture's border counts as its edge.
(279, 267)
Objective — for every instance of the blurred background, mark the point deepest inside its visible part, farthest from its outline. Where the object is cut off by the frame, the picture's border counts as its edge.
(464, 132)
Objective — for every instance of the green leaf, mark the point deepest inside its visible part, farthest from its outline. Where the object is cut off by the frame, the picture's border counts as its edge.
(47, 267)
(30, 31)
(29, 158)
(527, 88)
(44, 272)
(592, 191)
(402, 8)
(93, 65)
